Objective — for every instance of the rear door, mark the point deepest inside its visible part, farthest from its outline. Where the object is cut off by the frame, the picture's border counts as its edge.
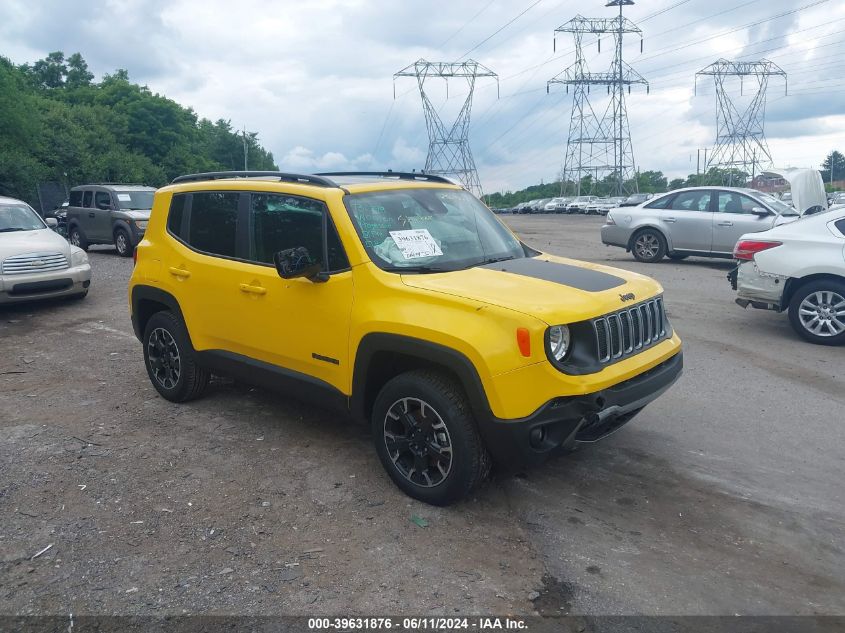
(87, 217)
(689, 220)
(733, 218)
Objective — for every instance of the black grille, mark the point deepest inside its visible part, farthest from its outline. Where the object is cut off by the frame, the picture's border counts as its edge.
(628, 332)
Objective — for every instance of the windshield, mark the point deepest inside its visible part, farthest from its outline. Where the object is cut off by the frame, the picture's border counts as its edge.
(429, 230)
(778, 206)
(15, 217)
(137, 200)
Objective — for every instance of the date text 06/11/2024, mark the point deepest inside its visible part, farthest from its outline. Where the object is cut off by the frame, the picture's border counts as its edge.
(417, 624)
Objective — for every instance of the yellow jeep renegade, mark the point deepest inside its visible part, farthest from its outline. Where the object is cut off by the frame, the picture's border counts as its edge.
(403, 301)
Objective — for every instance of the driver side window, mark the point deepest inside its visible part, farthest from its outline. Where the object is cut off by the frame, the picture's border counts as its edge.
(732, 202)
(279, 222)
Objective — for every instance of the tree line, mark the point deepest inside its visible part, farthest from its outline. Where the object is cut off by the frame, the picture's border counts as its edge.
(58, 125)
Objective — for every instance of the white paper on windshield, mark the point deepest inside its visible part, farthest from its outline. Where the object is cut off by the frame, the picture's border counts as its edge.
(415, 243)
(124, 197)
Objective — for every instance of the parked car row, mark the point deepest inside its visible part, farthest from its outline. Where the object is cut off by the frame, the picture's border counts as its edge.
(786, 262)
(587, 205)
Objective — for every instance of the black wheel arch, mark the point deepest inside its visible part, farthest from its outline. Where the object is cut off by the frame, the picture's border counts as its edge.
(793, 284)
(382, 356)
(146, 301)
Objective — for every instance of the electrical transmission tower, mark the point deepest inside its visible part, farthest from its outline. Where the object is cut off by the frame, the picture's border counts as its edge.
(740, 140)
(599, 146)
(448, 146)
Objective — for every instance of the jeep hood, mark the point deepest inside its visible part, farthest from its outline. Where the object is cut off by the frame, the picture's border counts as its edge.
(553, 289)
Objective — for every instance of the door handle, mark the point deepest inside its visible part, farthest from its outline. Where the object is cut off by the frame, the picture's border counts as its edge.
(254, 290)
(180, 273)
(725, 224)
(668, 219)
(91, 215)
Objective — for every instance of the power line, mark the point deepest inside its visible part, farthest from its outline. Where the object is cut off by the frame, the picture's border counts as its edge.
(499, 30)
(467, 23)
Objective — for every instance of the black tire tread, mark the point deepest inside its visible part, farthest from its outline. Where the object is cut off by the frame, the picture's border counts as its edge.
(194, 378)
(798, 296)
(128, 253)
(463, 423)
(661, 253)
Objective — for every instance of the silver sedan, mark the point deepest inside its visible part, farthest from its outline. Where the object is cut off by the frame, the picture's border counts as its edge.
(704, 221)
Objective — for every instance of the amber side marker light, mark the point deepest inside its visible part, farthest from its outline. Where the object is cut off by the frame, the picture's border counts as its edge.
(523, 340)
(747, 249)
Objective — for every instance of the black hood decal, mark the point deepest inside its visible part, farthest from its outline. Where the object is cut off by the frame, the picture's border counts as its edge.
(564, 274)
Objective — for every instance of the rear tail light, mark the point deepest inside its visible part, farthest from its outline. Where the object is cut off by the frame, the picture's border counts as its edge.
(747, 249)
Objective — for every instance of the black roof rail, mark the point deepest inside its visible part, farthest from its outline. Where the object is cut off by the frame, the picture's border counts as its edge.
(113, 184)
(399, 175)
(218, 175)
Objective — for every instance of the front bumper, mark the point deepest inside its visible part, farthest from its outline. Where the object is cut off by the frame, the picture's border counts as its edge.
(756, 288)
(46, 285)
(562, 422)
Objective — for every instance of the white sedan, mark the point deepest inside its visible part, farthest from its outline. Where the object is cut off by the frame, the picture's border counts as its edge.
(36, 262)
(799, 267)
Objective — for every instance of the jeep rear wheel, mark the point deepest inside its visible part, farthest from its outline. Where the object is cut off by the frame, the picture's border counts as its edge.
(171, 361)
(426, 438)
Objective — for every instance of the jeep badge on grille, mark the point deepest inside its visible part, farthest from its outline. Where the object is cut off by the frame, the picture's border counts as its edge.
(628, 297)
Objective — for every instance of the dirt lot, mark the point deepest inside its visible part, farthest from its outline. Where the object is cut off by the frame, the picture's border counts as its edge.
(725, 496)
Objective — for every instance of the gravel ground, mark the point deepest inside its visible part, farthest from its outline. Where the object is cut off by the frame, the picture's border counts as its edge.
(722, 497)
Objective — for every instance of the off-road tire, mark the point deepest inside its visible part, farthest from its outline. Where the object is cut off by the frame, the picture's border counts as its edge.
(123, 243)
(829, 289)
(648, 246)
(76, 237)
(192, 379)
(470, 461)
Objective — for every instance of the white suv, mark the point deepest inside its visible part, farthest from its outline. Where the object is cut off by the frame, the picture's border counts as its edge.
(35, 261)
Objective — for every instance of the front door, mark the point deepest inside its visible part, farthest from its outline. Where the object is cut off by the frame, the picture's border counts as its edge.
(733, 219)
(297, 324)
(102, 210)
(690, 221)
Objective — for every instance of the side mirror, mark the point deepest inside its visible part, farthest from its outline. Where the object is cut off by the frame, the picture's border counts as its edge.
(52, 222)
(103, 206)
(296, 262)
(760, 211)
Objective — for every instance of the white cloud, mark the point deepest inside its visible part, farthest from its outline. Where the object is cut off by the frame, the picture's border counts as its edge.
(314, 78)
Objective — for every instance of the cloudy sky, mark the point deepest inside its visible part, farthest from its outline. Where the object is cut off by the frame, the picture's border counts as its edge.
(314, 78)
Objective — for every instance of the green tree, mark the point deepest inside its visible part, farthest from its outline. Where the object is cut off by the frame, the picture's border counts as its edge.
(78, 74)
(834, 167)
(51, 71)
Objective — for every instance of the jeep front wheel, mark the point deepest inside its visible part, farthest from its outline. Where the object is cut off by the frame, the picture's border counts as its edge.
(426, 438)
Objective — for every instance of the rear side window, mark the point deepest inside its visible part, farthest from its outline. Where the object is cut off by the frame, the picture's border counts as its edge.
(86, 198)
(840, 224)
(75, 199)
(660, 203)
(214, 221)
(691, 201)
(177, 214)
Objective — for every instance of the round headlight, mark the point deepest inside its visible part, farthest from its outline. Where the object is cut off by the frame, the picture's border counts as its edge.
(559, 340)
